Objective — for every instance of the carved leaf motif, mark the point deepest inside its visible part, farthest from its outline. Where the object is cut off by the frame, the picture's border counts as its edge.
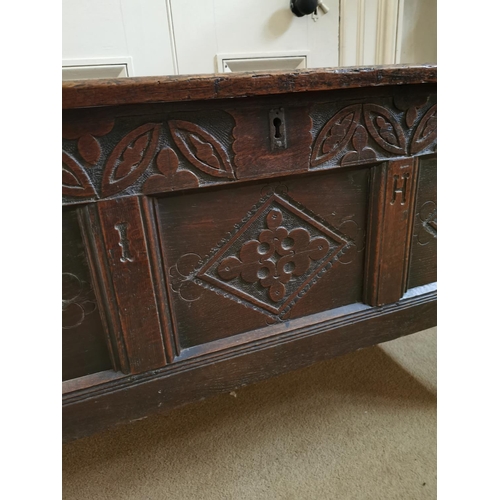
(201, 149)
(130, 158)
(77, 123)
(411, 104)
(335, 134)
(360, 139)
(205, 151)
(426, 132)
(408, 101)
(362, 153)
(386, 131)
(411, 116)
(89, 148)
(75, 181)
(168, 163)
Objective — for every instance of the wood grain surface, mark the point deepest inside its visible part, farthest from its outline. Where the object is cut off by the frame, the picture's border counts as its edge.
(111, 92)
(228, 228)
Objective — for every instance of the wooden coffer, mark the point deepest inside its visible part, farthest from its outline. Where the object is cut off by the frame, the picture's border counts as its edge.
(218, 230)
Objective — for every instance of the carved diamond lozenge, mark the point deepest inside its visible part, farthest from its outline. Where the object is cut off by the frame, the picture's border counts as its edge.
(273, 256)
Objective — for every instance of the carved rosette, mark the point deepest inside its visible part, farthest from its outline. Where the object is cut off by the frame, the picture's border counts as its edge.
(273, 258)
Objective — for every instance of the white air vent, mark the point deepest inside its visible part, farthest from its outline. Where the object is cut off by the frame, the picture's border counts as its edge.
(84, 72)
(275, 62)
(82, 69)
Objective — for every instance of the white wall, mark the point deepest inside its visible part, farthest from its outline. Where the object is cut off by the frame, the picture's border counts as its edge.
(256, 28)
(160, 37)
(165, 37)
(419, 43)
(110, 31)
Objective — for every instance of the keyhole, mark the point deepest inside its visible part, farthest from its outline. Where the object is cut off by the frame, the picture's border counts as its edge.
(277, 127)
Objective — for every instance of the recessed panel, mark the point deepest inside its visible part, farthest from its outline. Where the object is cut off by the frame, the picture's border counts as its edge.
(84, 349)
(423, 263)
(252, 256)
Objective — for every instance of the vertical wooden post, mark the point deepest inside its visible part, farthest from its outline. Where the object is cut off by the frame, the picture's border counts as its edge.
(130, 289)
(390, 227)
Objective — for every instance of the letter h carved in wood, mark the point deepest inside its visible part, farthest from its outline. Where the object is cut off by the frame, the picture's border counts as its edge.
(400, 188)
(389, 233)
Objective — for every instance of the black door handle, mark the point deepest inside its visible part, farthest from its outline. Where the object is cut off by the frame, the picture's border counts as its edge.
(303, 7)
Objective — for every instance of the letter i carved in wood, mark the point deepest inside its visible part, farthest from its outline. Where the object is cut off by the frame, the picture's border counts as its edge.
(392, 201)
(124, 243)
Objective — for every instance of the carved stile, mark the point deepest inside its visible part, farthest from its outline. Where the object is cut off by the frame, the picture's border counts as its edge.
(389, 233)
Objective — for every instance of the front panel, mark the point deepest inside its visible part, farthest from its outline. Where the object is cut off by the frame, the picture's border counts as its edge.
(244, 258)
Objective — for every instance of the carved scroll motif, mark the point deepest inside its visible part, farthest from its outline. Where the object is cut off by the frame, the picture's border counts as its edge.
(428, 219)
(75, 302)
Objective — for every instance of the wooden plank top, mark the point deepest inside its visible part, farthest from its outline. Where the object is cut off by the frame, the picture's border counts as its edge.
(141, 90)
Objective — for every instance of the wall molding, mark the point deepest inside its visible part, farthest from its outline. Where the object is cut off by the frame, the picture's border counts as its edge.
(370, 32)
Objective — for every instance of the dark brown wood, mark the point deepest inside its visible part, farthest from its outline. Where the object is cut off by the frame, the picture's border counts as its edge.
(84, 336)
(92, 380)
(303, 343)
(84, 93)
(172, 147)
(423, 263)
(129, 265)
(209, 303)
(389, 235)
(234, 227)
(256, 152)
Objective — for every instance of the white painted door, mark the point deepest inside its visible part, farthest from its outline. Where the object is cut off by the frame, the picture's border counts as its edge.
(110, 38)
(129, 37)
(262, 33)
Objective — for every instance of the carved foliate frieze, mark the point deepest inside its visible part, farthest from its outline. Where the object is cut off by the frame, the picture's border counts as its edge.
(374, 131)
(130, 155)
(107, 157)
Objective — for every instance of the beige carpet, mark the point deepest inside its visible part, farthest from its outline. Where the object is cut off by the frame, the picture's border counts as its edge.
(362, 426)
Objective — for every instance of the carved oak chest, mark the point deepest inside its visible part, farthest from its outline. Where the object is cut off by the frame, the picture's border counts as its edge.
(218, 230)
